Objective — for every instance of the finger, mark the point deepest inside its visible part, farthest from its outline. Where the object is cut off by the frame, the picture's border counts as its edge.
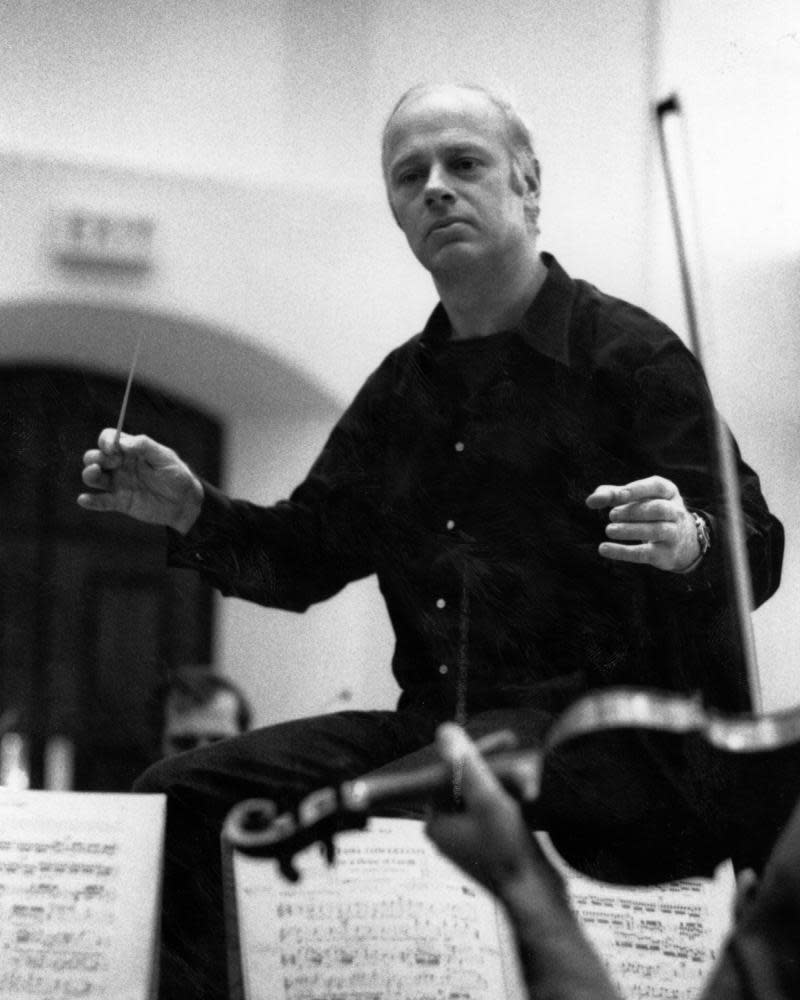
(98, 501)
(747, 884)
(644, 553)
(95, 457)
(501, 739)
(642, 531)
(645, 510)
(107, 442)
(478, 782)
(96, 478)
(640, 489)
(653, 487)
(607, 496)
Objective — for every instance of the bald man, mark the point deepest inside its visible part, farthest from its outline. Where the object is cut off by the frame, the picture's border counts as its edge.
(529, 479)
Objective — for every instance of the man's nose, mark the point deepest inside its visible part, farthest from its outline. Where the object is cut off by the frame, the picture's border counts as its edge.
(437, 188)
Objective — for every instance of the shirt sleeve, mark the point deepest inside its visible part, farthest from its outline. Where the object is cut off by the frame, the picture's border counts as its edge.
(306, 548)
(673, 428)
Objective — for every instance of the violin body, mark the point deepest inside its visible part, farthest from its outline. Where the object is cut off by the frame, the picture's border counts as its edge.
(633, 786)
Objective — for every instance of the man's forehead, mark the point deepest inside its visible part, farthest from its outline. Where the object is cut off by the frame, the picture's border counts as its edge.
(221, 705)
(451, 115)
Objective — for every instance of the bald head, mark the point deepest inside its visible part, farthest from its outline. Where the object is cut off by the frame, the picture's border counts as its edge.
(498, 113)
(517, 135)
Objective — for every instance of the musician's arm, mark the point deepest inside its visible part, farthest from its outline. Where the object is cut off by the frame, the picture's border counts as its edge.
(491, 842)
(761, 960)
(558, 961)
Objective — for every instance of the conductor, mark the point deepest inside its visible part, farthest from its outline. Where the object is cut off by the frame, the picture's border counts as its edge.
(529, 478)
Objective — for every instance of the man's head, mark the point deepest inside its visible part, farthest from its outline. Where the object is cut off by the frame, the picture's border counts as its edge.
(461, 175)
(197, 708)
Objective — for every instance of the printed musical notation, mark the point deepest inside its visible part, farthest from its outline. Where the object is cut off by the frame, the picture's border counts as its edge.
(394, 922)
(78, 882)
(659, 942)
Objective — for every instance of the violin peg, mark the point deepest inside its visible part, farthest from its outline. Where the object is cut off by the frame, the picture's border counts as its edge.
(329, 849)
(288, 869)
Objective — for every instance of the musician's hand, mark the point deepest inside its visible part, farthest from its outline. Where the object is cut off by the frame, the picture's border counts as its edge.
(648, 523)
(491, 842)
(489, 839)
(141, 478)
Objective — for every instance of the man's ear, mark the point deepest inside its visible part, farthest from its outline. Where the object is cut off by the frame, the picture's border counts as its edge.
(532, 175)
(532, 181)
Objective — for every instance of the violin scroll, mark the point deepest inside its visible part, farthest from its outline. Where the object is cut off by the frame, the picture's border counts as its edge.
(255, 827)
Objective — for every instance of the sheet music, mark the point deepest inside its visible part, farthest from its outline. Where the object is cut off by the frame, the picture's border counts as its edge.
(79, 886)
(392, 920)
(657, 942)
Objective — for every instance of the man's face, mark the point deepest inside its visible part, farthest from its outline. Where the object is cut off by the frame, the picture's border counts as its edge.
(188, 726)
(451, 182)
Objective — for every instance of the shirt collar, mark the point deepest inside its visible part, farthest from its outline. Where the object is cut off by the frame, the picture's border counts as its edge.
(544, 327)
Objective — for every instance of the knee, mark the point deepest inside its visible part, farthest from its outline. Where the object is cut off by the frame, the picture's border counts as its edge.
(161, 777)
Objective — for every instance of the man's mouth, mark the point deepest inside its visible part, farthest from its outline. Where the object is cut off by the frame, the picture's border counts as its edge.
(444, 224)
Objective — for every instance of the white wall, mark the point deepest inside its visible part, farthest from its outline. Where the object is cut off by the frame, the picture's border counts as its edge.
(249, 129)
(294, 92)
(208, 312)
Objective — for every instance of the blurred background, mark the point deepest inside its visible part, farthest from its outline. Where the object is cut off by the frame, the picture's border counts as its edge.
(207, 174)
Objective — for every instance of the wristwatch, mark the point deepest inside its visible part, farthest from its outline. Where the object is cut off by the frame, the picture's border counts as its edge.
(703, 533)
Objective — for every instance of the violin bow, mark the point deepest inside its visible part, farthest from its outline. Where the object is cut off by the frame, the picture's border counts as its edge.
(668, 113)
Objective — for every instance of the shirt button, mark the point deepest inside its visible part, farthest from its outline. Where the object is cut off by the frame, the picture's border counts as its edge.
(450, 525)
(440, 602)
(443, 668)
(459, 446)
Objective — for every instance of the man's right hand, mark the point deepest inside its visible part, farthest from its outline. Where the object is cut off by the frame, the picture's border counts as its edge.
(142, 478)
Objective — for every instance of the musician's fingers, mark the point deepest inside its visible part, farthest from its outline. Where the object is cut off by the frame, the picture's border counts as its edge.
(747, 884)
(500, 739)
(478, 783)
(480, 788)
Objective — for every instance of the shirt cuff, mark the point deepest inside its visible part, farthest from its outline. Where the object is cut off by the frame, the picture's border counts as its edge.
(209, 533)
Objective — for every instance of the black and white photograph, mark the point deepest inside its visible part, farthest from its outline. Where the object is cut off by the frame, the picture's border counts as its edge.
(398, 507)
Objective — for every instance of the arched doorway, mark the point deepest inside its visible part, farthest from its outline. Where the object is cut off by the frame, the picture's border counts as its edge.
(91, 617)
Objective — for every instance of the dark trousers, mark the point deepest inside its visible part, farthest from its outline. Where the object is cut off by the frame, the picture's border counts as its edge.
(601, 820)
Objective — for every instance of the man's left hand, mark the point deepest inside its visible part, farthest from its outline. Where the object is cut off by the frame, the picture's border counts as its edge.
(648, 523)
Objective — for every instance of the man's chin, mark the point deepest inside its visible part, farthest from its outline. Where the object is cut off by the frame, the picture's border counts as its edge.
(450, 256)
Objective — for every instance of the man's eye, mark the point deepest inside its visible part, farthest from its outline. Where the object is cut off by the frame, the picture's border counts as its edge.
(466, 164)
(408, 177)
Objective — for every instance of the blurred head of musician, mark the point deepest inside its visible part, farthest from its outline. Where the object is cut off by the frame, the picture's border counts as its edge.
(197, 707)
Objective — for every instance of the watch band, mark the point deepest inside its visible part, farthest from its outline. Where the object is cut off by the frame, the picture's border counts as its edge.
(703, 533)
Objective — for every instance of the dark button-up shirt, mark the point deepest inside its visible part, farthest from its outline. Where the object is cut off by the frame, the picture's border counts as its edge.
(467, 498)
